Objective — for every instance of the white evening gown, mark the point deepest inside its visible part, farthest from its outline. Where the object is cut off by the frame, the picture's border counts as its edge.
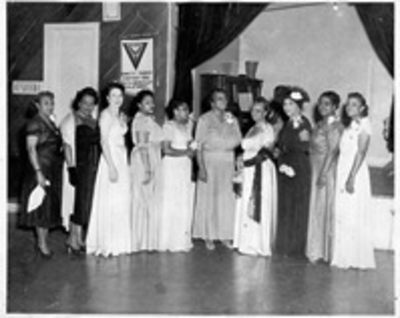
(178, 193)
(252, 237)
(109, 232)
(352, 240)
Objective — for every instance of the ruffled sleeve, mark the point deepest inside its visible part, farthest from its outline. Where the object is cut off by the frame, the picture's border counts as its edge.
(34, 128)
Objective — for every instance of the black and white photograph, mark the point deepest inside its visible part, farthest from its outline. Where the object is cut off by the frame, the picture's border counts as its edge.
(200, 158)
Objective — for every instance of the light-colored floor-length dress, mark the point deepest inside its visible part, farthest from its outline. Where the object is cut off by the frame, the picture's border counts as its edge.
(146, 198)
(324, 138)
(352, 240)
(178, 192)
(253, 237)
(109, 231)
(215, 201)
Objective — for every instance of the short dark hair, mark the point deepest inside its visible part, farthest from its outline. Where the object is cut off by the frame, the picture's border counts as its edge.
(106, 91)
(139, 97)
(87, 91)
(216, 91)
(43, 94)
(271, 115)
(142, 94)
(280, 92)
(362, 101)
(172, 106)
(332, 96)
(110, 86)
(346, 120)
(265, 102)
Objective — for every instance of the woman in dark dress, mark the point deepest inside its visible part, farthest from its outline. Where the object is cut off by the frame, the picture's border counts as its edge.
(294, 181)
(277, 116)
(44, 169)
(83, 176)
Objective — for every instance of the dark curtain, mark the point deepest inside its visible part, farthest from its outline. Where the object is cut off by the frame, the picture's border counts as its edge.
(378, 21)
(204, 30)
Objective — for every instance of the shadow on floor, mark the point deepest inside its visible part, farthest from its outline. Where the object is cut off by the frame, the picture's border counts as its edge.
(199, 282)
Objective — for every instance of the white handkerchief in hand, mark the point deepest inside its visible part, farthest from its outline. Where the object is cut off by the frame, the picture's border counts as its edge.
(36, 198)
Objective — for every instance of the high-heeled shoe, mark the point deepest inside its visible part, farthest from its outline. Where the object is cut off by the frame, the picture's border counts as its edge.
(82, 248)
(42, 254)
(72, 250)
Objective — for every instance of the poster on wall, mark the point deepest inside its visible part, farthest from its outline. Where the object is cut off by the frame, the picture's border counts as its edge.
(137, 71)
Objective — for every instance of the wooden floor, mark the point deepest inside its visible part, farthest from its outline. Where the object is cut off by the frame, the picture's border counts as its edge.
(199, 282)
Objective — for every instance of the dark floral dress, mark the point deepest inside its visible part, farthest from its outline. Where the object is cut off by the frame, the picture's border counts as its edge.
(50, 157)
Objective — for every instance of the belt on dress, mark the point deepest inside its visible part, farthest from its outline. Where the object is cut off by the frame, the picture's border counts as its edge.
(262, 155)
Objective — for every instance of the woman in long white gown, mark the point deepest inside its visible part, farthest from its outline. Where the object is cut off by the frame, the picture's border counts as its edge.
(352, 240)
(146, 174)
(255, 223)
(178, 188)
(109, 231)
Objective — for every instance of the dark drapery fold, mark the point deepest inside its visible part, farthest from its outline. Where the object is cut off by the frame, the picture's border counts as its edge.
(204, 30)
(390, 141)
(378, 21)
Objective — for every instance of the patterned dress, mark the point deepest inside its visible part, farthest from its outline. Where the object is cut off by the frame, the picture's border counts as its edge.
(50, 156)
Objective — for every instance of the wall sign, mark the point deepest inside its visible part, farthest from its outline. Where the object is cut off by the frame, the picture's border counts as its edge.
(137, 70)
(26, 87)
(111, 11)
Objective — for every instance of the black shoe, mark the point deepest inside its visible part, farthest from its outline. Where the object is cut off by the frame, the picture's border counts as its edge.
(72, 250)
(42, 254)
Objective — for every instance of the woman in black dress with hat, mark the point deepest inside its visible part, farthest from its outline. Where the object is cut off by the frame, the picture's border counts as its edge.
(83, 176)
(294, 181)
(43, 169)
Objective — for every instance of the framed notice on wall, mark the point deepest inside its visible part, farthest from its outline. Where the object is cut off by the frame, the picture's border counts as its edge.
(137, 67)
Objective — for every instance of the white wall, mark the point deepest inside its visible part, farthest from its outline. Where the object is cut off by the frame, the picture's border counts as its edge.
(171, 43)
(320, 49)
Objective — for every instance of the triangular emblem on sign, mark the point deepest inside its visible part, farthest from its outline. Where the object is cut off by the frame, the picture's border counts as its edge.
(135, 52)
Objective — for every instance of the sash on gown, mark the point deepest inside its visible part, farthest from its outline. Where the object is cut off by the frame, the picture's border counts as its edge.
(257, 161)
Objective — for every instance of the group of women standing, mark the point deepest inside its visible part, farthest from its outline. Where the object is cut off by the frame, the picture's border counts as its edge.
(295, 190)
